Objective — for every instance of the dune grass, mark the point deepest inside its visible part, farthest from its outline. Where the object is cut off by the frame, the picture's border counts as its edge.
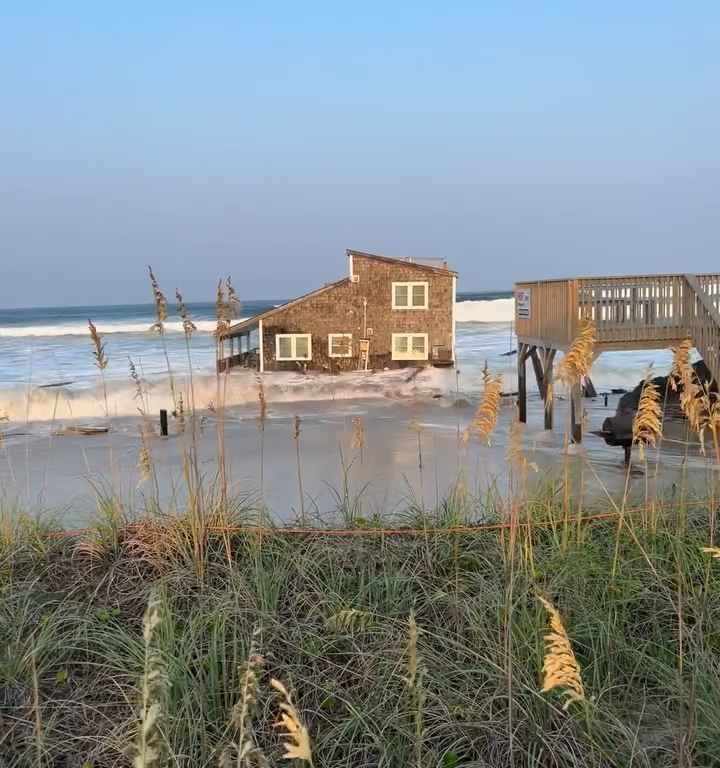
(392, 650)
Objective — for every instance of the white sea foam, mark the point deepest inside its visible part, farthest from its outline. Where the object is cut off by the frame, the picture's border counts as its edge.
(81, 329)
(240, 388)
(479, 311)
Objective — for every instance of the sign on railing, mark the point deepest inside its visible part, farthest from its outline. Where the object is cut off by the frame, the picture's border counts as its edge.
(523, 303)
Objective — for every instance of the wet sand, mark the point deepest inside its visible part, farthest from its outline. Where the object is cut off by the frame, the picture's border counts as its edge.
(60, 475)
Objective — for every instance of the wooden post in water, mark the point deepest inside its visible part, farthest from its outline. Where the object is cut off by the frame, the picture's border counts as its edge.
(539, 371)
(548, 357)
(576, 411)
(522, 384)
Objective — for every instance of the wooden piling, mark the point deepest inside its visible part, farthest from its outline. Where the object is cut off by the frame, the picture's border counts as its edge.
(576, 414)
(522, 384)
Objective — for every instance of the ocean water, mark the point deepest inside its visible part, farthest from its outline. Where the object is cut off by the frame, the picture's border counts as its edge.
(47, 368)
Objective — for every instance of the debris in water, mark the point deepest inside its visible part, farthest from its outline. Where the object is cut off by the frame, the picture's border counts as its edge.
(81, 429)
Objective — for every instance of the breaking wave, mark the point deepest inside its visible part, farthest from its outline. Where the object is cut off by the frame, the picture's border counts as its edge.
(479, 311)
(81, 329)
(23, 404)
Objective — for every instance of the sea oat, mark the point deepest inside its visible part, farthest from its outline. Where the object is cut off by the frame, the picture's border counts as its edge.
(180, 412)
(139, 389)
(515, 454)
(149, 744)
(684, 379)
(296, 437)
(577, 361)
(188, 326)
(714, 552)
(101, 360)
(233, 302)
(160, 304)
(262, 417)
(415, 683)
(358, 433)
(159, 327)
(262, 403)
(681, 367)
(245, 752)
(358, 436)
(486, 416)
(222, 313)
(348, 621)
(647, 424)
(144, 462)
(560, 668)
(297, 746)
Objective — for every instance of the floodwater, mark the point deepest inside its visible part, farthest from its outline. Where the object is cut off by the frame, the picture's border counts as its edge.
(411, 452)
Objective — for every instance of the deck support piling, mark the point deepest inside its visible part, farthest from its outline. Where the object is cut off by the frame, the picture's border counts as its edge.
(576, 411)
(542, 359)
(549, 393)
(539, 371)
(522, 383)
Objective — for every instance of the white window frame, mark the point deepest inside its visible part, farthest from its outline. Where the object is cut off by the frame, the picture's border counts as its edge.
(347, 336)
(409, 355)
(293, 344)
(410, 287)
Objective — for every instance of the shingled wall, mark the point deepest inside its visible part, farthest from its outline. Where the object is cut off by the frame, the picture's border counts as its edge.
(340, 310)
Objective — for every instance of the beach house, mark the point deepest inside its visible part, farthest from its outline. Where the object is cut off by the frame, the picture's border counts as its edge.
(386, 313)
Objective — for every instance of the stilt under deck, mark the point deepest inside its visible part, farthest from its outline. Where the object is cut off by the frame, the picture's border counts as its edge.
(634, 312)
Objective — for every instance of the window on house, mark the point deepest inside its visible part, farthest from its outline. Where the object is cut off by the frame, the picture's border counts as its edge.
(293, 346)
(409, 346)
(340, 345)
(409, 295)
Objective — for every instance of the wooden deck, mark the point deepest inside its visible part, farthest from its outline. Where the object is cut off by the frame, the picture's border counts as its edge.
(634, 312)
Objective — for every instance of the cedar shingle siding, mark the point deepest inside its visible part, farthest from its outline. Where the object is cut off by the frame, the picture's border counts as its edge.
(339, 309)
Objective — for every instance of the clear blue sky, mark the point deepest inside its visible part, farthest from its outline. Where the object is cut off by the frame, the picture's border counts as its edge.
(517, 140)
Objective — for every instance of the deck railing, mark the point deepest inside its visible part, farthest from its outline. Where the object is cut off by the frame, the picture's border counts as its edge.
(633, 309)
(628, 312)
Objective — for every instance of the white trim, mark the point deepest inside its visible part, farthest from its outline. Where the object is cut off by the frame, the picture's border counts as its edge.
(261, 347)
(453, 315)
(293, 344)
(341, 335)
(409, 355)
(350, 266)
(410, 286)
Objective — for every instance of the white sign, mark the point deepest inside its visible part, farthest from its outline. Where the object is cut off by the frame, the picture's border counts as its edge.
(523, 301)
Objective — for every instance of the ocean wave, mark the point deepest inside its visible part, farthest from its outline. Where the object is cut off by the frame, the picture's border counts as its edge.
(81, 329)
(471, 311)
(119, 397)
(482, 311)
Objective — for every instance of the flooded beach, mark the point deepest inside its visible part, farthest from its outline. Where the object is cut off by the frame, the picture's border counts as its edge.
(405, 448)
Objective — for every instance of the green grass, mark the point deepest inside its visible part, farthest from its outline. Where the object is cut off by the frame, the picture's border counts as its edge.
(333, 616)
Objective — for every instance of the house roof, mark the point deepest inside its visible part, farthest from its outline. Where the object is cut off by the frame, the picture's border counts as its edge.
(405, 262)
(251, 322)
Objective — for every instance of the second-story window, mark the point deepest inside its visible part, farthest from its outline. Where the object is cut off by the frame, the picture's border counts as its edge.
(409, 295)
